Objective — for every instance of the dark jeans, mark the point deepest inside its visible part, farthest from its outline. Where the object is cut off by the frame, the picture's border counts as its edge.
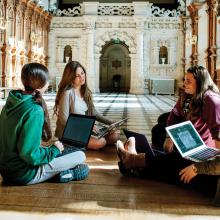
(166, 168)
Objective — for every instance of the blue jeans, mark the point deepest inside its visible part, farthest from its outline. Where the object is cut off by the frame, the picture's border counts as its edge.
(68, 161)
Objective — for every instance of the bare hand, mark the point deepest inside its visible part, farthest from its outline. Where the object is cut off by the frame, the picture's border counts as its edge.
(188, 173)
(59, 145)
(168, 145)
(95, 129)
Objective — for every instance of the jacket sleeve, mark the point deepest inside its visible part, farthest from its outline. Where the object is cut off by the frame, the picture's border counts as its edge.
(100, 117)
(211, 115)
(64, 108)
(29, 140)
(210, 167)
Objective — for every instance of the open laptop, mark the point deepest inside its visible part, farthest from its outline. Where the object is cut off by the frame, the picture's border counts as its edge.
(189, 143)
(104, 130)
(77, 132)
(142, 144)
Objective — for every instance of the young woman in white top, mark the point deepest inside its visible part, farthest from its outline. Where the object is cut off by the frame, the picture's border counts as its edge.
(74, 96)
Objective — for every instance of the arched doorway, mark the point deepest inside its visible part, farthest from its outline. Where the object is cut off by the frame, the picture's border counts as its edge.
(115, 67)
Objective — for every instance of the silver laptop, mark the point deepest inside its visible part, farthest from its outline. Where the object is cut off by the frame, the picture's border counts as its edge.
(104, 130)
(189, 143)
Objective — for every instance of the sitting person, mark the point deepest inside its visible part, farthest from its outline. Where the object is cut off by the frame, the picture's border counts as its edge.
(200, 103)
(74, 96)
(24, 121)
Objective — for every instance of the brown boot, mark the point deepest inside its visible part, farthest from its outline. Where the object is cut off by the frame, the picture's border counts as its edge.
(130, 160)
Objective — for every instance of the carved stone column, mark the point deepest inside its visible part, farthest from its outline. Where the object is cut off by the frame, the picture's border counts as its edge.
(29, 43)
(184, 29)
(137, 77)
(212, 47)
(90, 56)
(14, 48)
(193, 10)
(3, 49)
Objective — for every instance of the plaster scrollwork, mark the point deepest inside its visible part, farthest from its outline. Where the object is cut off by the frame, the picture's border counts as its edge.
(161, 12)
(115, 35)
(76, 11)
(182, 5)
(125, 10)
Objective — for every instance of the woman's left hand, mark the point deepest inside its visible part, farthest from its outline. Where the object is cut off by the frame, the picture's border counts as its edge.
(188, 173)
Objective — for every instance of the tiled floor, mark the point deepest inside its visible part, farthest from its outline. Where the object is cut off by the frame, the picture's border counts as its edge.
(106, 193)
(142, 110)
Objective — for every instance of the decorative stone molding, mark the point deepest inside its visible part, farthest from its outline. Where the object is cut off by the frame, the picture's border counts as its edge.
(76, 11)
(119, 9)
(164, 23)
(68, 24)
(161, 12)
(115, 35)
(162, 69)
(116, 9)
(103, 24)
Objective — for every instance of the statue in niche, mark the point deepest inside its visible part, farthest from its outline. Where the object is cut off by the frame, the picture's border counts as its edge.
(67, 54)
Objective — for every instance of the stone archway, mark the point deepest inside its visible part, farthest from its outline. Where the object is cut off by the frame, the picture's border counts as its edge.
(115, 67)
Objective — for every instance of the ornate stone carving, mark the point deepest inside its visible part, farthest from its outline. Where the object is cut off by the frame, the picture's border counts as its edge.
(125, 10)
(114, 35)
(161, 12)
(76, 11)
(164, 70)
(103, 25)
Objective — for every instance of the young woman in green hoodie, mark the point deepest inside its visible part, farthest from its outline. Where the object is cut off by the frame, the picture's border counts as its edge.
(24, 122)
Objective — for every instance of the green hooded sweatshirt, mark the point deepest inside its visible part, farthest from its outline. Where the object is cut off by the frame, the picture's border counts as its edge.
(21, 123)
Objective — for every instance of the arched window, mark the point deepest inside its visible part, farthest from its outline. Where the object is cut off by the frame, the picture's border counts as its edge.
(67, 54)
(163, 55)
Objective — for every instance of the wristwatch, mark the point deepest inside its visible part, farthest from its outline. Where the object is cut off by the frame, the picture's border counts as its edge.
(194, 168)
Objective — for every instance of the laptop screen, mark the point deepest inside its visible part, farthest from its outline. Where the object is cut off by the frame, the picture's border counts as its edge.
(78, 129)
(185, 136)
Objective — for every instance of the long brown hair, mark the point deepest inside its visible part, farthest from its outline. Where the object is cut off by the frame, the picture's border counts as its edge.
(35, 76)
(66, 83)
(204, 82)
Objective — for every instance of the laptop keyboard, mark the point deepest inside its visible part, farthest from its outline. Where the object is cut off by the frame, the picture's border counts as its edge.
(69, 149)
(204, 154)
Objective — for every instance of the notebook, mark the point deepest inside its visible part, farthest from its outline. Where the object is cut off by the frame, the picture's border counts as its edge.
(142, 144)
(104, 130)
(189, 143)
(77, 132)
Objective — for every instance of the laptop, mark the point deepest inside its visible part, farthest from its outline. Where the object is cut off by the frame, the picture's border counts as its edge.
(104, 130)
(77, 132)
(189, 143)
(142, 144)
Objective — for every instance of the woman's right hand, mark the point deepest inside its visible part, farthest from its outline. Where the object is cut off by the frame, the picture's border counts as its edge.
(168, 145)
(59, 145)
